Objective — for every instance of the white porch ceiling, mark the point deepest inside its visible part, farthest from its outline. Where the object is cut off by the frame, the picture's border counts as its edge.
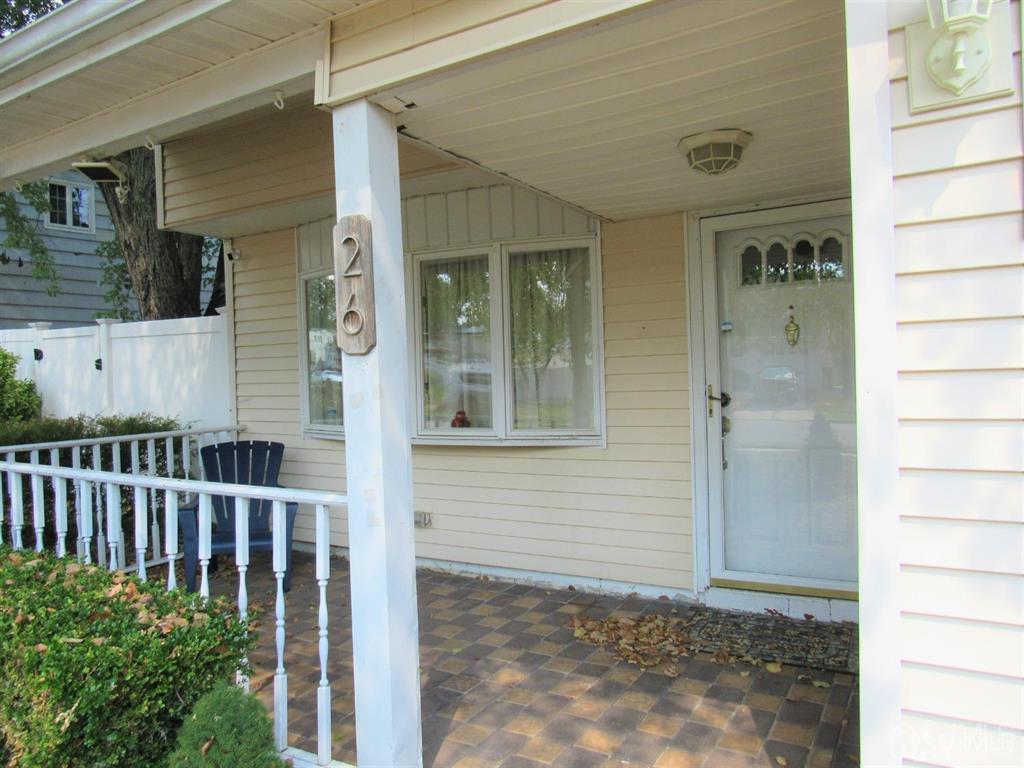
(594, 117)
(157, 44)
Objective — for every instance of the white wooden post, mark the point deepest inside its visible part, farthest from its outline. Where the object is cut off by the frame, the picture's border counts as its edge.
(874, 309)
(105, 352)
(378, 456)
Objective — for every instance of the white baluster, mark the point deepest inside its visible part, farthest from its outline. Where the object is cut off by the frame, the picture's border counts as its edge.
(114, 536)
(4, 481)
(205, 536)
(141, 540)
(121, 554)
(17, 507)
(323, 693)
(100, 512)
(280, 533)
(55, 462)
(76, 463)
(242, 561)
(171, 544)
(38, 509)
(151, 470)
(186, 457)
(85, 531)
(169, 453)
(60, 494)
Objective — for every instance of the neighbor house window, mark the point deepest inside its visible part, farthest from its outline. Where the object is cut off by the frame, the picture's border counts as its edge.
(322, 404)
(71, 206)
(507, 342)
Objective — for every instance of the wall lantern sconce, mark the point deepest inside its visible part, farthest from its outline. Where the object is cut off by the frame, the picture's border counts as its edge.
(715, 152)
(961, 54)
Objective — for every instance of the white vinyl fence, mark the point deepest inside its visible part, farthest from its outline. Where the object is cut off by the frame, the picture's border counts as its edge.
(174, 368)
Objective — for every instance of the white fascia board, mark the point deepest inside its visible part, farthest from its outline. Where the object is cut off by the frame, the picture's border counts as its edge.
(234, 87)
(394, 68)
(73, 60)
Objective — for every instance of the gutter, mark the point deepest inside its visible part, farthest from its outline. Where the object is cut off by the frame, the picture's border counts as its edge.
(76, 18)
(68, 50)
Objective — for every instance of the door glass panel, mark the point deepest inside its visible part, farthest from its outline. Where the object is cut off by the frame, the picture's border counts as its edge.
(778, 263)
(832, 259)
(751, 262)
(789, 450)
(803, 261)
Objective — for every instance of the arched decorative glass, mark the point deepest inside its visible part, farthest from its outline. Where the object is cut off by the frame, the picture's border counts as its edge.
(750, 265)
(831, 259)
(803, 261)
(777, 264)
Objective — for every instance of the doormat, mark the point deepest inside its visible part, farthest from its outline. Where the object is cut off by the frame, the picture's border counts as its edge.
(727, 636)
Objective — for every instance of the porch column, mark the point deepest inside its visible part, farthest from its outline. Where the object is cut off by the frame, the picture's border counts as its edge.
(378, 456)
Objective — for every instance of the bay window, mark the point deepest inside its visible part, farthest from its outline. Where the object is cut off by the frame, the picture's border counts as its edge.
(507, 343)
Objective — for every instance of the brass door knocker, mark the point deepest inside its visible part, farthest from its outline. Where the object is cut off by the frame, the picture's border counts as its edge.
(792, 329)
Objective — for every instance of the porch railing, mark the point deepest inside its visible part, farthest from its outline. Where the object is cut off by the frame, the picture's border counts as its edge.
(165, 495)
(156, 454)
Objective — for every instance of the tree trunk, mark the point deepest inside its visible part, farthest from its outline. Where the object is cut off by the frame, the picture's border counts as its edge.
(165, 268)
(218, 297)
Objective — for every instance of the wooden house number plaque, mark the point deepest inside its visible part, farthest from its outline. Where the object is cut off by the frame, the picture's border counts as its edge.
(353, 278)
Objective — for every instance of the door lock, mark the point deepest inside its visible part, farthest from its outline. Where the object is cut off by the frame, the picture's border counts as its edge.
(725, 399)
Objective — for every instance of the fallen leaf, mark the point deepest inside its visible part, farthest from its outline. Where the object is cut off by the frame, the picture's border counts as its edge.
(821, 684)
(781, 760)
(773, 666)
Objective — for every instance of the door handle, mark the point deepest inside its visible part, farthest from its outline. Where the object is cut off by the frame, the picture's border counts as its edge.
(725, 399)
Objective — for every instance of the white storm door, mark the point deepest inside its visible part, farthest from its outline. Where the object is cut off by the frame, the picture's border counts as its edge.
(782, 439)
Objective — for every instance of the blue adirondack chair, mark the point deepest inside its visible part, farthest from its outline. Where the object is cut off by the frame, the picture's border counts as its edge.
(247, 462)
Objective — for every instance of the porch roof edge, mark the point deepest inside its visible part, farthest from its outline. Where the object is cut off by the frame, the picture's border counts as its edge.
(35, 45)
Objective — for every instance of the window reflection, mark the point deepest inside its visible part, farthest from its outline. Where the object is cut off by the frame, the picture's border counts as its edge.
(323, 358)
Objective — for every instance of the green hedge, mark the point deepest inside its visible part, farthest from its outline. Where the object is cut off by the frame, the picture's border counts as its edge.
(228, 729)
(19, 400)
(50, 430)
(100, 670)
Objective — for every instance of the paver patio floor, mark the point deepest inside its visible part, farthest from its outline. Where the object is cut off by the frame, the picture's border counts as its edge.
(506, 684)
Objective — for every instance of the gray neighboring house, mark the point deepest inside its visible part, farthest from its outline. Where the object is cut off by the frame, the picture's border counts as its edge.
(77, 223)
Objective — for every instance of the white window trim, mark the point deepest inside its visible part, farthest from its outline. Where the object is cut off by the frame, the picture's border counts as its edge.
(502, 434)
(92, 207)
(319, 431)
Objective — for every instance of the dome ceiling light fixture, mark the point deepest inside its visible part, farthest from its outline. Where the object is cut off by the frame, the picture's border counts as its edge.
(715, 152)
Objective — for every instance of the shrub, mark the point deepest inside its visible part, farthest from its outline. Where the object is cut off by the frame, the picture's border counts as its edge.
(100, 670)
(227, 729)
(19, 400)
(51, 430)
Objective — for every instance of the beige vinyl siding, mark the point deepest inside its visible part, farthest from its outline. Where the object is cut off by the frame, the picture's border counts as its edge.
(621, 513)
(264, 162)
(960, 292)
